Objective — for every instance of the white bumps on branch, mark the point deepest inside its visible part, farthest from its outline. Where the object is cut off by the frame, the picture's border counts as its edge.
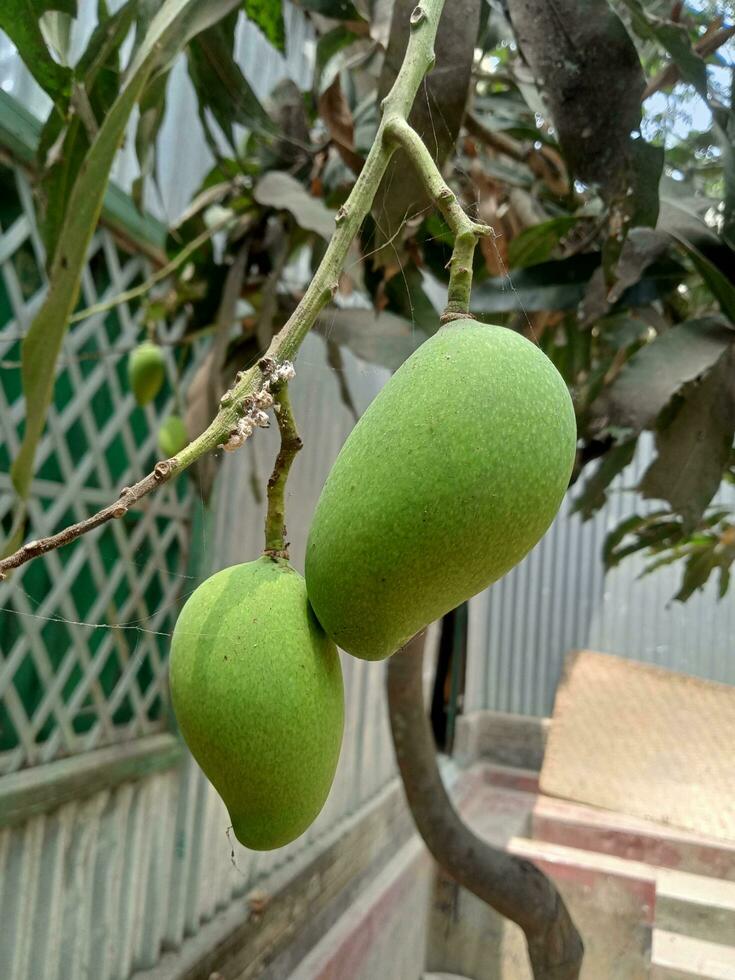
(255, 417)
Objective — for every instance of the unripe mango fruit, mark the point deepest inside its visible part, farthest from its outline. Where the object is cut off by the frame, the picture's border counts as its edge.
(172, 436)
(452, 475)
(257, 691)
(146, 371)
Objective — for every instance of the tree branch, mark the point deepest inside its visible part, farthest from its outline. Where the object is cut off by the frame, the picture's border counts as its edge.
(238, 413)
(465, 230)
(511, 885)
(275, 522)
(704, 47)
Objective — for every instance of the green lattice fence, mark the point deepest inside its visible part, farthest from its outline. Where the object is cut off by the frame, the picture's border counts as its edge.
(83, 631)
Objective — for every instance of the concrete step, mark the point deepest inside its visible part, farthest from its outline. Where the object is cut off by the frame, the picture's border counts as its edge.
(695, 906)
(660, 845)
(675, 957)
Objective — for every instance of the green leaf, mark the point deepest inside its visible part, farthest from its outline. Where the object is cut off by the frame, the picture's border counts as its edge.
(719, 285)
(675, 39)
(594, 493)
(20, 21)
(283, 192)
(220, 84)
(174, 24)
(268, 15)
(378, 338)
(699, 567)
(65, 137)
(535, 244)
(694, 448)
(660, 369)
(616, 536)
(641, 248)
(152, 110)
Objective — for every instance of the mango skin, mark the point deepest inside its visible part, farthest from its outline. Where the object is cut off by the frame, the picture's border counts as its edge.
(146, 371)
(257, 692)
(172, 436)
(453, 474)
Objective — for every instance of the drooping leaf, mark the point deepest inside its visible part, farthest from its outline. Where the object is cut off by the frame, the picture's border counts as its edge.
(660, 369)
(641, 248)
(20, 21)
(174, 24)
(282, 191)
(220, 83)
(591, 78)
(337, 364)
(695, 446)
(437, 110)
(152, 111)
(379, 338)
(67, 133)
(335, 113)
(699, 566)
(594, 493)
(674, 38)
(721, 287)
(268, 15)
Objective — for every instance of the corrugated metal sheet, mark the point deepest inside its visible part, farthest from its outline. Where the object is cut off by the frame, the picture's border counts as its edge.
(559, 599)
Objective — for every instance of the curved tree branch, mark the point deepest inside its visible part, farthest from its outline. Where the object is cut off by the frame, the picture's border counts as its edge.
(239, 413)
(511, 885)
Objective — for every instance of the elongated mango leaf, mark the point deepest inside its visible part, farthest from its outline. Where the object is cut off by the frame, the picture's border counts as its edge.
(660, 369)
(174, 24)
(694, 448)
(718, 283)
(220, 84)
(65, 137)
(19, 19)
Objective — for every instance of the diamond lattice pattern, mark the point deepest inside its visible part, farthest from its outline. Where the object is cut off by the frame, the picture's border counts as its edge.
(84, 630)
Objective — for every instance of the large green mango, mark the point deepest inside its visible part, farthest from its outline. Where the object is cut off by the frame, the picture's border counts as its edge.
(452, 475)
(257, 691)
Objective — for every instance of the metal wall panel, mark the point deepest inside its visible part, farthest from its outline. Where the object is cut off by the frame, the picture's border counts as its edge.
(559, 599)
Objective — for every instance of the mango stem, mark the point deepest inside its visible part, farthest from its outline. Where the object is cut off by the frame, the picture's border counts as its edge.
(466, 231)
(276, 545)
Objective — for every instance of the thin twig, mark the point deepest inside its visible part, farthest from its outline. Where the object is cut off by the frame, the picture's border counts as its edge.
(276, 545)
(239, 410)
(163, 273)
(466, 231)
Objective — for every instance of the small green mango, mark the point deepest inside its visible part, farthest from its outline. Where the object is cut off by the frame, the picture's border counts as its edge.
(452, 475)
(172, 436)
(146, 371)
(257, 691)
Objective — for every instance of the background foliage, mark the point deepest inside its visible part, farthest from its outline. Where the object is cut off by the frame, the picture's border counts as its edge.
(595, 137)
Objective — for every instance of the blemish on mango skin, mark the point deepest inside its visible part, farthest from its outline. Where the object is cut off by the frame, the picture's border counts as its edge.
(462, 462)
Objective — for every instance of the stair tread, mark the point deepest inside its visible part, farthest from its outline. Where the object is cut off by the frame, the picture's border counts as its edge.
(567, 810)
(597, 860)
(695, 889)
(699, 957)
